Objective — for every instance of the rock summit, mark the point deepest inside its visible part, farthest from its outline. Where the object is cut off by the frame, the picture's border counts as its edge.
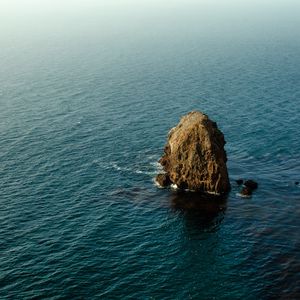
(194, 156)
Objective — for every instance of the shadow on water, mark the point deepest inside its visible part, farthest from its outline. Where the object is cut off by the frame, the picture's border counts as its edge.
(200, 211)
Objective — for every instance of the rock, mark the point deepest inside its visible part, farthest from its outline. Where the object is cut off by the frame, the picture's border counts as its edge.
(239, 181)
(251, 184)
(246, 191)
(194, 156)
(249, 187)
(163, 180)
(297, 182)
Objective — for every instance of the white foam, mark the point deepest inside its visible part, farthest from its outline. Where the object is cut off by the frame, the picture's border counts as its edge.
(213, 193)
(156, 164)
(118, 168)
(243, 196)
(174, 186)
(187, 190)
(153, 156)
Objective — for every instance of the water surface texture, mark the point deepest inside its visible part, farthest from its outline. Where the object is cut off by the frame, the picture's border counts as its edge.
(88, 92)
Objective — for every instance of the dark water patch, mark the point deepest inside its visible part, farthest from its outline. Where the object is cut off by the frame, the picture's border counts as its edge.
(200, 211)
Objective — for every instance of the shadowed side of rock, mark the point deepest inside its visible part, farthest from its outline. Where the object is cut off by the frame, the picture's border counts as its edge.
(163, 180)
(194, 156)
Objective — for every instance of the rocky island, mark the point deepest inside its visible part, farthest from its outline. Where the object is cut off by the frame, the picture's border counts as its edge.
(194, 156)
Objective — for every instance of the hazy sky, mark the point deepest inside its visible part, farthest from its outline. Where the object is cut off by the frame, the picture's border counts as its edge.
(216, 17)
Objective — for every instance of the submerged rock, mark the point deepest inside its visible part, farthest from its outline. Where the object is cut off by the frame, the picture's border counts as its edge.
(246, 191)
(251, 184)
(194, 156)
(248, 187)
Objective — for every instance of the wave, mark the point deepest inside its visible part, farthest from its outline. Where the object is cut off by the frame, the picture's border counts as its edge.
(150, 169)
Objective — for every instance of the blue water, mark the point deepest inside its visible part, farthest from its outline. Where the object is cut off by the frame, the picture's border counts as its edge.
(87, 96)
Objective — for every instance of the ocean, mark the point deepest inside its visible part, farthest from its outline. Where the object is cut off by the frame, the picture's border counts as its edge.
(88, 93)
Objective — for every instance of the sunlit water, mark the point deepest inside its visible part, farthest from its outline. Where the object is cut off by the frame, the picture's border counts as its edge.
(87, 97)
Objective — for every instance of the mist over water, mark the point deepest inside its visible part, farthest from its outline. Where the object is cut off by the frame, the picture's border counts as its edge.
(88, 92)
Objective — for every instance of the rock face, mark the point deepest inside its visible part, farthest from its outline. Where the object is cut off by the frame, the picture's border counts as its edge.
(194, 156)
(163, 180)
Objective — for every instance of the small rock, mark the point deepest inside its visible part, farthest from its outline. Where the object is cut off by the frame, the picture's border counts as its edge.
(239, 181)
(297, 182)
(194, 156)
(246, 191)
(163, 180)
(251, 184)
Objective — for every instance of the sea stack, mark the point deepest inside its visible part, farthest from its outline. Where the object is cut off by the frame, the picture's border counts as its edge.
(194, 156)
